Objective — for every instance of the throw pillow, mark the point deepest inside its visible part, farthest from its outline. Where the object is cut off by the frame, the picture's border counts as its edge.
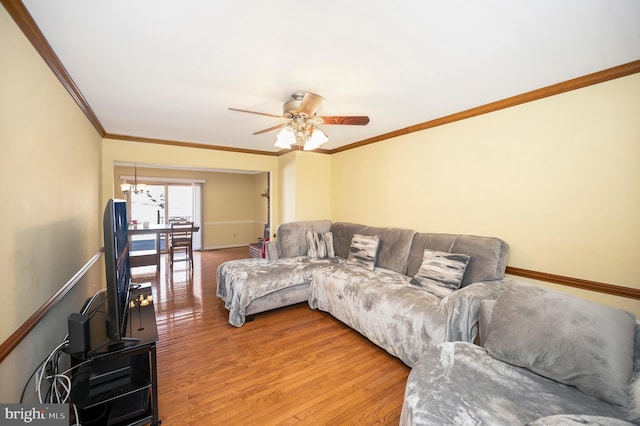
(565, 338)
(320, 245)
(440, 273)
(363, 251)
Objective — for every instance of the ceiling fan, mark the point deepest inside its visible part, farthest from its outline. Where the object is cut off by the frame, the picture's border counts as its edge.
(302, 121)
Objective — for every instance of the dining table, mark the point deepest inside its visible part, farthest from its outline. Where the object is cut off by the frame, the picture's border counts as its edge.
(151, 257)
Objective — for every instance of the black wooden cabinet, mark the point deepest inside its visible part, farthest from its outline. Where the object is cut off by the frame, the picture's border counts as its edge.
(116, 383)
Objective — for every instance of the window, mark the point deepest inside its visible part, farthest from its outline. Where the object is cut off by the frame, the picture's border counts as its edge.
(164, 201)
(149, 206)
(180, 201)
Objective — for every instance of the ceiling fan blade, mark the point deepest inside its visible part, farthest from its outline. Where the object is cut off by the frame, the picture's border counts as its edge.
(270, 129)
(310, 104)
(354, 120)
(254, 112)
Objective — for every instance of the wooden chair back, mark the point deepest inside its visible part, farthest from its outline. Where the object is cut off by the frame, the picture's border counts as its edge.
(181, 240)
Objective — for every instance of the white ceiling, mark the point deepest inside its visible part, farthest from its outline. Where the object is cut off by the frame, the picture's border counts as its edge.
(169, 70)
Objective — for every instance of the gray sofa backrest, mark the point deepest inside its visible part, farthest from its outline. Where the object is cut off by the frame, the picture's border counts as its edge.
(395, 244)
(636, 355)
(400, 249)
(488, 254)
(342, 234)
(393, 250)
(291, 238)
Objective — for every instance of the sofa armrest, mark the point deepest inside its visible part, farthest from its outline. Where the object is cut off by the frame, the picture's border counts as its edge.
(463, 308)
(271, 251)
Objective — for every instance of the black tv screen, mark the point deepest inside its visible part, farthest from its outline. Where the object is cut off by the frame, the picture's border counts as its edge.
(117, 267)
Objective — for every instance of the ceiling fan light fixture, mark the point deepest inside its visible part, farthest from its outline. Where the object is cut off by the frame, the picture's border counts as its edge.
(315, 140)
(301, 113)
(285, 138)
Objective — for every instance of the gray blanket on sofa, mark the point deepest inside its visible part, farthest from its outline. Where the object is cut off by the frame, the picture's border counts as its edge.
(460, 384)
(239, 282)
(398, 316)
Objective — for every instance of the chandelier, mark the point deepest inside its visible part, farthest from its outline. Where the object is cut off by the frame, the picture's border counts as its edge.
(136, 187)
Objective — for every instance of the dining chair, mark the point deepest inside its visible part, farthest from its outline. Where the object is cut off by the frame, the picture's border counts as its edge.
(181, 242)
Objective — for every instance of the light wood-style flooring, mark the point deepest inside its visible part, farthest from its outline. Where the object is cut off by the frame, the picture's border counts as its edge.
(288, 366)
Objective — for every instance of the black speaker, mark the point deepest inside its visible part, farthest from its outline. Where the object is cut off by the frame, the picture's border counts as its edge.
(79, 339)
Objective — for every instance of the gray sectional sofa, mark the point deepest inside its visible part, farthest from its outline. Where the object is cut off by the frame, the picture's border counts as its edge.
(381, 303)
(546, 358)
(251, 286)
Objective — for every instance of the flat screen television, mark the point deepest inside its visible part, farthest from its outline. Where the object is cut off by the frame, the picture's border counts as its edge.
(118, 268)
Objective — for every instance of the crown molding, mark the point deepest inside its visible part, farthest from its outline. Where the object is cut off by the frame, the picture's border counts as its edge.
(187, 144)
(534, 95)
(25, 22)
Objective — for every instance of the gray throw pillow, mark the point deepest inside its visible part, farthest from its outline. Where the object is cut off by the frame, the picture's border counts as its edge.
(319, 245)
(363, 251)
(565, 338)
(441, 273)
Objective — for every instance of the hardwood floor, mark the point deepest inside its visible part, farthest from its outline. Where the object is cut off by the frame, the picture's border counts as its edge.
(288, 366)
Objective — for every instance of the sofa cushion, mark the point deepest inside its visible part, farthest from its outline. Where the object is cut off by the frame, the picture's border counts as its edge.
(634, 402)
(440, 272)
(342, 235)
(485, 312)
(320, 245)
(395, 315)
(395, 245)
(488, 254)
(240, 282)
(363, 251)
(458, 383)
(291, 238)
(565, 338)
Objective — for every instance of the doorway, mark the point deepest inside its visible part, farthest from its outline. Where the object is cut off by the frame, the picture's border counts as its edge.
(162, 202)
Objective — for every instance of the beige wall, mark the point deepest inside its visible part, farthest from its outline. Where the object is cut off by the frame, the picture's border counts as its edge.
(305, 186)
(50, 173)
(313, 188)
(234, 213)
(287, 188)
(558, 179)
(230, 199)
(230, 210)
(261, 212)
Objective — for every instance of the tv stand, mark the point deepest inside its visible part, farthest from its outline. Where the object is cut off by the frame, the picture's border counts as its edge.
(110, 345)
(116, 383)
